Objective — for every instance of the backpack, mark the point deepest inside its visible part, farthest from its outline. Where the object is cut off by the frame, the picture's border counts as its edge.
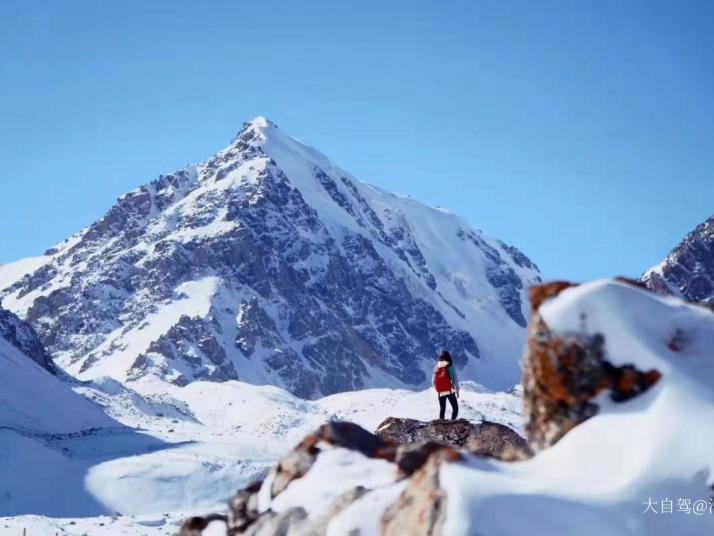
(442, 381)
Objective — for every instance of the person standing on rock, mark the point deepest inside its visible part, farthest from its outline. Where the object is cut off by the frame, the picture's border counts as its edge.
(446, 384)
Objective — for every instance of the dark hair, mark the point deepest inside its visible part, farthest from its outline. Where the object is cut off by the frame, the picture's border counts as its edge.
(445, 356)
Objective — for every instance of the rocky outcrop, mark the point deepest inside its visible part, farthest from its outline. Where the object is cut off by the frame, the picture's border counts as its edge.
(484, 438)
(563, 373)
(336, 434)
(416, 449)
(245, 516)
(688, 270)
(21, 335)
(420, 509)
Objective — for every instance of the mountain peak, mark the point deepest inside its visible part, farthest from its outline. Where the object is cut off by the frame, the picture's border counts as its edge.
(259, 121)
(255, 130)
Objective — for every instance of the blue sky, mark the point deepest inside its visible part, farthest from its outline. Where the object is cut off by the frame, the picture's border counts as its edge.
(582, 132)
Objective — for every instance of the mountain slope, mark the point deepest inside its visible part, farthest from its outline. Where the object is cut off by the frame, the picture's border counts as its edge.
(688, 270)
(33, 400)
(21, 335)
(269, 264)
(37, 410)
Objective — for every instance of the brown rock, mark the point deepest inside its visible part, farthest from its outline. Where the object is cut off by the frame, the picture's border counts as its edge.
(194, 526)
(243, 507)
(244, 517)
(484, 438)
(540, 293)
(338, 434)
(563, 373)
(421, 507)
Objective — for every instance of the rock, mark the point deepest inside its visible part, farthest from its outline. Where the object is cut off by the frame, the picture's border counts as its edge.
(484, 438)
(21, 335)
(243, 507)
(244, 516)
(412, 456)
(411, 461)
(194, 526)
(421, 507)
(339, 434)
(292, 521)
(562, 374)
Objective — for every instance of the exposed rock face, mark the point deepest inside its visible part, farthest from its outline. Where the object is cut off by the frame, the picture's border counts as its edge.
(562, 374)
(21, 335)
(265, 262)
(688, 270)
(484, 438)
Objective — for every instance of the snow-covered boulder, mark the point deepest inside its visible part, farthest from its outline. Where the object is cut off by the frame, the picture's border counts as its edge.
(564, 371)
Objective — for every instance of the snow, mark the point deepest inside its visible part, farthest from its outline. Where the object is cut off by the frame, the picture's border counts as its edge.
(596, 479)
(115, 525)
(33, 400)
(449, 258)
(317, 489)
(181, 450)
(220, 436)
(193, 299)
(14, 271)
(42, 421)
(601, 476)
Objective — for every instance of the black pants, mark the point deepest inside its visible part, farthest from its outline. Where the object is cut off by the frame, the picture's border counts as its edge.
(454, 406)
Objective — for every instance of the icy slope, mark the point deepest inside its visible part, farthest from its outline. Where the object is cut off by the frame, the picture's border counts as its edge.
(269, 264)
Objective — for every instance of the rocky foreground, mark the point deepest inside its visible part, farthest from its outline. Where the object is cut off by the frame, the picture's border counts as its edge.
(617, 391)
(412, 449)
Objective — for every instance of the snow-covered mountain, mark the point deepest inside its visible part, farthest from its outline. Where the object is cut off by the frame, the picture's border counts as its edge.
(269, 264)
(688, 270)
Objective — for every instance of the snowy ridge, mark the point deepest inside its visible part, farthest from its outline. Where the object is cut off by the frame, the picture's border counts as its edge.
(263, 264)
